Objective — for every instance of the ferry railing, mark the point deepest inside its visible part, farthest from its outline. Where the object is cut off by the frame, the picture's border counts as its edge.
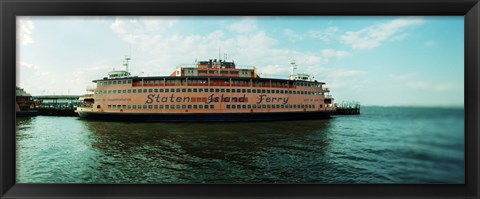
(236, 66)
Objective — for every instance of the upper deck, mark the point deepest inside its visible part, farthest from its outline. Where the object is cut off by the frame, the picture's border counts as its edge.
(214, 67)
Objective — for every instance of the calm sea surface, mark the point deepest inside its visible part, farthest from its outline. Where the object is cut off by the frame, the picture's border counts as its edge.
(382, 145)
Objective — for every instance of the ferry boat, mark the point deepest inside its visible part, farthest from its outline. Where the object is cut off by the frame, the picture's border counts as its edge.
(213, 90)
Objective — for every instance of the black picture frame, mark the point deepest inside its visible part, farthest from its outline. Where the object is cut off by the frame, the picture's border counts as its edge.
(9, 9)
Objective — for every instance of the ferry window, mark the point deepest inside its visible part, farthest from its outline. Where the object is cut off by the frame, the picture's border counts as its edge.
(254, 91)
(269, 106)
(189, 106)
(150, 106)
(233, 90)
(263, 91)
(129, 91)
(195, 90)
(129, 106)
(189, 90)
(124, 81)
(238, 90)
(114, 91)
(172, 90)
(244, 90)
(114, 82)
(313, 106)
(123, 106)
(254, 106)
(178, 106)
(184, 90)
(277, 91)
(160, 90)
(155, 106)
(139, 106)
(222, 90)
(278, 106)
(212, 90)
(145, 106)
(268, 91)
(195, 106)
(200, 106)
(184, 106)
(145, 90)
(134, 106)
(114, 106)
(109, 106)
(228, 90)
(212, 106)
(264, 106)
(244, 106)
(200, 90)
(294, 106)
(217, 90)
(228, 105)
(129, 81)
(167, 107)
(124, 91)
(303, 105)
(249, 90)
(155, 90)
(249, 106)
(160, 106)
(157, 81)
(96, 92)
(119, 91)
(134, 90)
(178, 90)
(139, 90)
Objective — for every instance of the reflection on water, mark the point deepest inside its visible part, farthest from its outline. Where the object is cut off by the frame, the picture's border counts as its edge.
(207, 152)
(382, 145)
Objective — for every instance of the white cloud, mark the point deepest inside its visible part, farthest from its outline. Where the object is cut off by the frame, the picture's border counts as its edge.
(429, 43)
(438, 87)
(28, 65)
(25, 30)
(325, 35)
(419, 85)
(162, 51)
(447, 87)
(246, 25)
(292, 35)
(335, 53)
(373, 36)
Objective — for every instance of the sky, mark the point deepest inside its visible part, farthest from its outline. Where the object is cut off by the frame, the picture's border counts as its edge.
(373, 60)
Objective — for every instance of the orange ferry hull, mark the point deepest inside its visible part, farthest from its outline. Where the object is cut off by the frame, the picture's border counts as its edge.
(207, 117)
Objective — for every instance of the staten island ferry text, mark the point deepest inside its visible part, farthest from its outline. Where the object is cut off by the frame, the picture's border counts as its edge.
(151, 98)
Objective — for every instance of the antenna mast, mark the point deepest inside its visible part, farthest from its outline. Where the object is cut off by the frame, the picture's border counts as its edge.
(294, 67)
(125, 63)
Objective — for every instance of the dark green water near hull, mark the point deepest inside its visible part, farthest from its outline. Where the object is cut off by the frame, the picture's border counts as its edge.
(382, 145)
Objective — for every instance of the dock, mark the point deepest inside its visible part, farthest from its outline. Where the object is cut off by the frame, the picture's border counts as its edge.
(57, 105)
(348, 109)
